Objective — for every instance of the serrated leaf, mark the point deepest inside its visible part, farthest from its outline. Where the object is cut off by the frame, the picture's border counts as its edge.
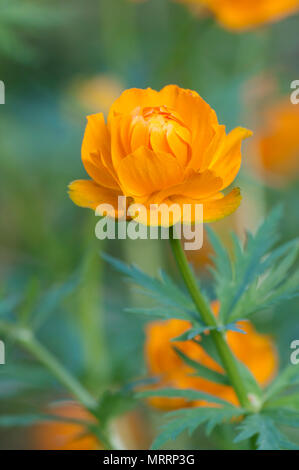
(193, 333)
(248, 265)
(191, 418)
(268, 436)
(161, 313)
(290, 401)
(52, 299)
(188, 394)
(283, 416)
(114, 403)
(207, 343)
(257, 277)
(287, 378)
(202, 371)
(197, 331)
(249, 381)
(163, 290)
(23, 420)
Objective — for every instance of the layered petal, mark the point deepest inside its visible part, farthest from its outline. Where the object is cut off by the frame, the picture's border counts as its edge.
(86, 193)
(214, 208)
(145, 172)
(165, 214)
(197, 186)
(222, 207)
(226, 161)
(188, 104)
(132, 99)
(96, 155)
(198, 116)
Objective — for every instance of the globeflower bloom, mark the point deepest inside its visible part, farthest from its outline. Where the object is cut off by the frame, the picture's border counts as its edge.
(246, 14)
(163, 147)
(255, 350)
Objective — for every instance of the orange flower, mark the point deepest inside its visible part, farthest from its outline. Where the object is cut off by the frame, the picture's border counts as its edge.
(255, 350)
(58, 435)
(278, 145)
(246, 14)
(160, 147)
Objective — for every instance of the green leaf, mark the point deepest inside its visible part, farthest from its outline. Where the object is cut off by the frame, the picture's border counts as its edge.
(192, 333)
(268, 436)
(249, 381)
(222, 270)
(283, 416)
(188, 394)
(201, 371)
(248, 262)
(113, 404)
(8, 304)
(52, 299)
(162, 289)
(207, 343)
(196, 331)
(259, 275)
(287, 378)
(191, 418)
(162, 313)
(23, 420)
(287, 401)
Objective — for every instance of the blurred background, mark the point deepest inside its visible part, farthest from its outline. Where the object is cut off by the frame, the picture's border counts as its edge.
(61, 61)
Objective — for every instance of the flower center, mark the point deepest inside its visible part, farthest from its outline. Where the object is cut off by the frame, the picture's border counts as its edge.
(162, 130)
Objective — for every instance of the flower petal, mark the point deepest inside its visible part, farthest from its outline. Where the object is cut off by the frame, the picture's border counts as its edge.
(166, 214)
(197, 186)
(220, 208)
(226, 161)
(132, 99)
(215, 208)
(96, 155)
(196, 114)
(86, 193)
(145, 172)
(187, 103)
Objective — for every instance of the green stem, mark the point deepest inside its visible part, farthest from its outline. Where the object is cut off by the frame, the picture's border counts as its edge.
(227, 357)
(25, 338)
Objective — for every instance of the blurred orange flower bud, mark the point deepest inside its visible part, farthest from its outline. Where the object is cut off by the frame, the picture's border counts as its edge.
(128, 430)
(255, 350)
(59, 435)
(97, 92)
(160, 147)
(241, 15)
(277, 143)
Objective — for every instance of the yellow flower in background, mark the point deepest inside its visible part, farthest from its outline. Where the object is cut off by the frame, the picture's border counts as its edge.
(97, 92)
(255, 350)
(246, 14)
(160, 147)
(277, 142)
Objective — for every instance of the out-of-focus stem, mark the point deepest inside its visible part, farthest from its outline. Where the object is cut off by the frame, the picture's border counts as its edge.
(25, 338)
